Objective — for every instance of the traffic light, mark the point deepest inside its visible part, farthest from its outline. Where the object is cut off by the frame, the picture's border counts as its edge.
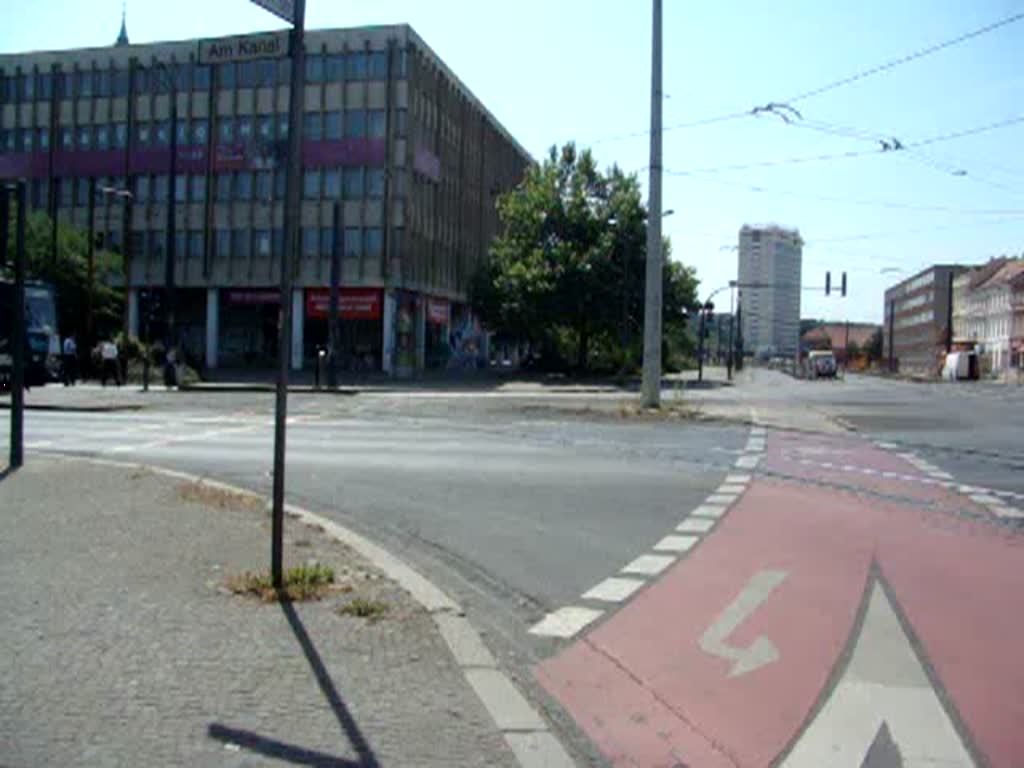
(843, 289)
(828, 283)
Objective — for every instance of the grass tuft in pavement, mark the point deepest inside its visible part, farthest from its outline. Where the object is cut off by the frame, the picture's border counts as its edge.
(303, 582)
(364, 609)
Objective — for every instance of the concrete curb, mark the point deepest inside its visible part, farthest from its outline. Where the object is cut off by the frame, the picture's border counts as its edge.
(523, 728)
(77, 408)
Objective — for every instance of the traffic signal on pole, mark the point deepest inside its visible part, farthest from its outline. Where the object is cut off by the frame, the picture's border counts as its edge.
(828, 283)
(843, 289)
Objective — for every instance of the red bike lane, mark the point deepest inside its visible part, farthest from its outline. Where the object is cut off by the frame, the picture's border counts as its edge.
(726, 659)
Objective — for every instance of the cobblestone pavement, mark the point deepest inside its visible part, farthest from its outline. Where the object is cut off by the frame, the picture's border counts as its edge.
(119, 644)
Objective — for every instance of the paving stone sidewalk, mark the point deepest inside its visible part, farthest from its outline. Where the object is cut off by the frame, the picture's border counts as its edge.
(119, 644)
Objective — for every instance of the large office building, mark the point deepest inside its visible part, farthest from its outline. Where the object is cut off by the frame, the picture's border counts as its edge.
(770, 263)
(413, 159)
(918, 318)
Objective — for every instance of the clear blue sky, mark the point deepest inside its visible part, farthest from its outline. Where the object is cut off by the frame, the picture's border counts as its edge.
(580, 70)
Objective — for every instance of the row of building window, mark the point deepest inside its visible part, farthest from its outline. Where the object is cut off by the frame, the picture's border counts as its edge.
(187, 76)
(245, 243)
(327, 184)
(317, 126)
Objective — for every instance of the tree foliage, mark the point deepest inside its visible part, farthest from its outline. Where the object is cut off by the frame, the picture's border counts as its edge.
(69, 274)
(567, 271)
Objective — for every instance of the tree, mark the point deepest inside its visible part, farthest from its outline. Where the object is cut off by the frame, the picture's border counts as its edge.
(873, 348)
(567, 270)
(69, 274)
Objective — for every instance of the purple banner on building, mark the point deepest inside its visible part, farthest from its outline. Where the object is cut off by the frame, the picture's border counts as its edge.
(347, 152)
(23, 165)
(427, 163)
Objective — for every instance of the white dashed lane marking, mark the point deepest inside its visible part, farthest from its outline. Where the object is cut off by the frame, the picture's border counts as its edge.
(676, 544)
(613, 590)
(565, 622)
(709, 510)
(695, 525)
(649, 565)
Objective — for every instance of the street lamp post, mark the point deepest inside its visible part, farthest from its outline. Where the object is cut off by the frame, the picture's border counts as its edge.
(126, 256)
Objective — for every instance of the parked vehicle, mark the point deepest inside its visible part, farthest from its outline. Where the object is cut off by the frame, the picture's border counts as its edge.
(42, 343)
(821, 363)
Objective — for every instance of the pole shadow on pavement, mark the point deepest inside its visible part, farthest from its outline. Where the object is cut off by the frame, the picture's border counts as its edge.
(298, 755)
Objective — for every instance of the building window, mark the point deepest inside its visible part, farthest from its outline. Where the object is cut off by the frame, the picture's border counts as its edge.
(85, 137)
(377, 124)
(398, 183)
(311, 185)
(181, 188)
(247, 74)
(403, 63)
(197, 184)
(84, 89)
(375, 182)
(327, 241)
(244, 130)
(332, 184)
(335, 68)
(226, 76)
(266, 128)
(379, 65)
(284, 71)
(143, 135)
(200, 132)
(120, 135)
(223, 187)
(102, 137)
(261, 243)
(103, 83)
(374, 242)
(222, 246)
(162, 133)
(242, 243)
(65, 192)
(314, 68)
(355, 124)
(282, 126)
(44, 138)
(28, 139)
(226, 130)
(280, 184)
(353, 242)
(142, 189)
(81, 192)
(45, 91)
(276, 242)
(264, 185)
(196, 244)
(65, 85)
(243, 185)
(157, 242)
(397, 238)
(310, 242)
(356, 66)
(160, 185)
(183, 136)
(313, 126)
(201, 77)
(352, 179)
(332, 126)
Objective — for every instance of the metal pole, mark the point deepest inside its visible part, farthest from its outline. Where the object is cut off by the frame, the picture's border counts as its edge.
(651, 382)
(700, 344)
(949, 315)
(172, 212)
(732, 322)
(288, 258)
(145, 297)
(892, 322)
(5, 223)
(91, 265)
(332, 310)
(18, 336)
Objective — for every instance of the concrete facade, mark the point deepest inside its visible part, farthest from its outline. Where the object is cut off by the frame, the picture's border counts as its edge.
(989, 312)
(770, 262)
(390, 135)
(917, 320)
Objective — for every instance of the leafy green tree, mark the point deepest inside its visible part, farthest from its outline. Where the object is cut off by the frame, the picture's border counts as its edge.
(69, 275)
(873, 348)
(567, 270)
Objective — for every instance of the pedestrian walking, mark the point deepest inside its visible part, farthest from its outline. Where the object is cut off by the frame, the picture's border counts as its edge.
(108, 354)
(69, 361)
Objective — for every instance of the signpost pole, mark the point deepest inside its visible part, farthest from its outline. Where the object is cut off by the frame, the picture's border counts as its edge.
(288, 260)
(332, 311)
(18, 336)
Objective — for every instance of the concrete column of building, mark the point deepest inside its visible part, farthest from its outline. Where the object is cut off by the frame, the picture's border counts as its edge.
(421, 333)
(133, 313)
(388, 342)
(298, 327)
(212, 326)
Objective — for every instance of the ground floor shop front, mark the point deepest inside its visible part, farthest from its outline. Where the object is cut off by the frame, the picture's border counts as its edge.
(380, 330)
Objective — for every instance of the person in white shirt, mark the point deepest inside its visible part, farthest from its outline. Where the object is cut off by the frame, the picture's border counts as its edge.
(108, 353)
(69, 361)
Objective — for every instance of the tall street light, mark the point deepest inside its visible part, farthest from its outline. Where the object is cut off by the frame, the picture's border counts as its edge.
(126, 257)
(651, 382)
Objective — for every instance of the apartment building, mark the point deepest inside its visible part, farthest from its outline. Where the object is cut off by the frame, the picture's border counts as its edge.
(390, 134)
(988, 313)
(770, 263)
(918, 313)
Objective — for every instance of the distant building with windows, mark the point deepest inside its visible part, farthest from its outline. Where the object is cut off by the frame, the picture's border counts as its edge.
(918, 314)
(988, 313)
(770, 264)
(389, 132)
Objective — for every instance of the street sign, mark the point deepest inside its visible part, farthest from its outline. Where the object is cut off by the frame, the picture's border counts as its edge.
(283, 9)
(269, 45)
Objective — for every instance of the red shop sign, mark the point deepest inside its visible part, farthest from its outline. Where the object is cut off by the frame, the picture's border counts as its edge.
(437, 311)
(353, 303)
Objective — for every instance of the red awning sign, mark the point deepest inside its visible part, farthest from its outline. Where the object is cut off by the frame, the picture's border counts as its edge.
(353, 303)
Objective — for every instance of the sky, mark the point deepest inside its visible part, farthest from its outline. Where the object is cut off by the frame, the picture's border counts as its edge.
(554, 71)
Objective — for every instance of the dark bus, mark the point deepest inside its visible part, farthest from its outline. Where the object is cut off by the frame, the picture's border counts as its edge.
(42, 343)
